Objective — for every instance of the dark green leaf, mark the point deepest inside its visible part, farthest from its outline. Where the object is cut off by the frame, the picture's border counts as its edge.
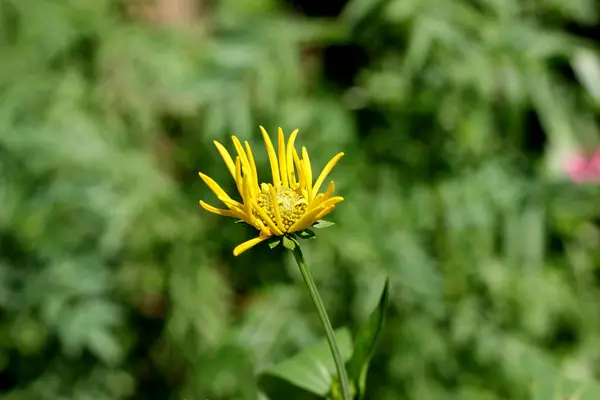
(274, 242)
(320, 224)
(313, 369)
(306, 234)
(366, 341)
(289, 243)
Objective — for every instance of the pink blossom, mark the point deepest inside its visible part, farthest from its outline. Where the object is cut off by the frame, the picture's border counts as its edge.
(584, 168)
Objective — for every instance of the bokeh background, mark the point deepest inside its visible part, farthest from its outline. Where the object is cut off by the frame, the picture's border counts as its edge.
(456, 116)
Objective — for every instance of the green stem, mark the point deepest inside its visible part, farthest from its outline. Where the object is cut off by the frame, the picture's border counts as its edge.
(314, 294)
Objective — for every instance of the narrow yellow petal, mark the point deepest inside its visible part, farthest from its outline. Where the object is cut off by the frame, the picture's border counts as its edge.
(332, 201)
(239, 212)
(218, 211)
(214, 186)
(330, 189)
(326, 171)
(226, 157)
(264, 231)
(298, 162)
(282, 160)
(320, 199)
(272, 157)
(307, 223)
(252, 169)
(238, 176)
(248, 245)
(247, 193)
(270, 224)
(320, 203)
(241, 153)
(323, 213)
(276, 212)
(307, 219)
(307, 172)
(234, 206)
(293, 182)
(316, 202)
(290, 158)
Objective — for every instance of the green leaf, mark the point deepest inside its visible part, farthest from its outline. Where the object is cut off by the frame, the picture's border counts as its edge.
(274, 242)
(366, 341)
(313, 369)
(320, 224)
(289, 243)
(306, 234)
(261, 396)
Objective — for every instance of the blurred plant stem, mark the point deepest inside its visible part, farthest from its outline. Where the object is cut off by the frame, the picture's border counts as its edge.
(314, 294)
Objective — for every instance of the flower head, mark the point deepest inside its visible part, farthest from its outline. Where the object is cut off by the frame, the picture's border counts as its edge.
(291, 203)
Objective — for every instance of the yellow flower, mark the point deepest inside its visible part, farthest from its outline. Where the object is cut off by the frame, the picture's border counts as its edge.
(290, 204)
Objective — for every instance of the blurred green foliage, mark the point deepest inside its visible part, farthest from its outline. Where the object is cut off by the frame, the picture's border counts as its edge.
(455, 116)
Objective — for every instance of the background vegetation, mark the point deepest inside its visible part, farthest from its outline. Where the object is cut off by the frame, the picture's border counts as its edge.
(456, 117)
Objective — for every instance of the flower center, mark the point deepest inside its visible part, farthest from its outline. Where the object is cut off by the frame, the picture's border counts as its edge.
(292, 206)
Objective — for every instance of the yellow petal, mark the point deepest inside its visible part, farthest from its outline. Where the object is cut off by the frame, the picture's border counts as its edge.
(218, 211)
(264, 231)
(214, 186)
(234, 209)
(290, 157)
(247, 194)
(326, 171)
(282, 160)
(326, 207)
(241, 153)
(234, 206)
(272, 157)
(316, 202)
(306, 220)
(330, 189)
(226, 157)
(276, 209)
(324, 213)
(293, 182)
(253, 170)
(307, 223)
(298, 162)
(307, 172)
(248, 245)
(238, 176)
(270, 224)
(332, 201)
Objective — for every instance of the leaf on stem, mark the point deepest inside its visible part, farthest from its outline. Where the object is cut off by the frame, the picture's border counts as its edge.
(320, 224)
(306, 234)
(366, 341)
(289, 243)
(274, 242)
(313, 369)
